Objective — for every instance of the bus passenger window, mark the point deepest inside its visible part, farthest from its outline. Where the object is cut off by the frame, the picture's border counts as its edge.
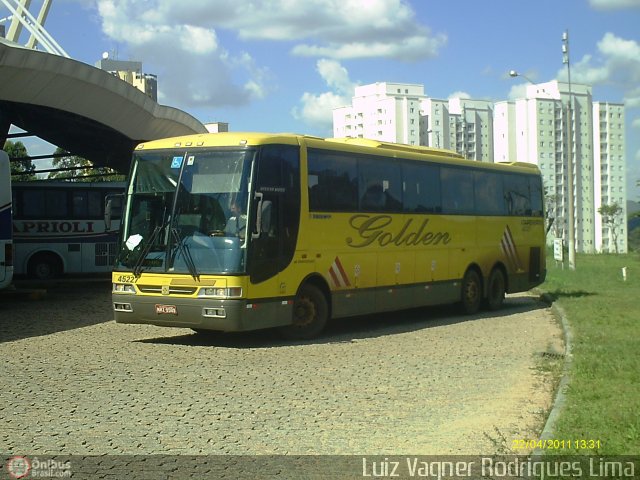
(333, 182)
(380, 185)
(489, 196)
(537, 198)
(373, 198)
(421, 188)
(516, 193)
(457, 190)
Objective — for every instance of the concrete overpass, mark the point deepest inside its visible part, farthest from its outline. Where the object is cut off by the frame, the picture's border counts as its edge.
(80, 108)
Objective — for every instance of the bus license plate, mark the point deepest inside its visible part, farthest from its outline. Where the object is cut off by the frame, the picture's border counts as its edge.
(170, 309)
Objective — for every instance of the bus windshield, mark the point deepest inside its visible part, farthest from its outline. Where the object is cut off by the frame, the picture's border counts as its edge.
(187, 212)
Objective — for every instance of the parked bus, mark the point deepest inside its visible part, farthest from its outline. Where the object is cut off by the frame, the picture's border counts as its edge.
(6, 242)
(332, 228)
(59, 228)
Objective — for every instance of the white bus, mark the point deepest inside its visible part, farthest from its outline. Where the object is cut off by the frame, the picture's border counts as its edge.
(59, 228)
(6, 245)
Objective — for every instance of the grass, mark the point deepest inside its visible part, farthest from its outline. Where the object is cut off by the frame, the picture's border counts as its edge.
(602, 400)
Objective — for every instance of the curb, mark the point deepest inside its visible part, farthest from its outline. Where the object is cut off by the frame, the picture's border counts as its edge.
(559, 401)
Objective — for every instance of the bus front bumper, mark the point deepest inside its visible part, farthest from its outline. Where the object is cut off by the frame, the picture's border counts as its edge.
(197, 313)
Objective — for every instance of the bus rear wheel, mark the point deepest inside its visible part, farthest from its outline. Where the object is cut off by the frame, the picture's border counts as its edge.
(495, 289)
(44, 266)
(471, 292)
(310, 314)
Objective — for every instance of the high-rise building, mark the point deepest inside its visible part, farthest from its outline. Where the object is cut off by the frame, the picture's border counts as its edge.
(609, 172)
(385, 111)
(532, 129)
(401, 113)
(131, 72)
(535, 129)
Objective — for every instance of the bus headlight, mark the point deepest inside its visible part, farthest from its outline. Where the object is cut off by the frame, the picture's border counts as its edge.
(123, 288)
(214, 292)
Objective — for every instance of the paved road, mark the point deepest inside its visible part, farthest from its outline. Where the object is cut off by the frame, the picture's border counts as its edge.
(418, 382)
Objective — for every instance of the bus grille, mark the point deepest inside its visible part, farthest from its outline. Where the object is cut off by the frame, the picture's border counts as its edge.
(105, 254)
(173, 290)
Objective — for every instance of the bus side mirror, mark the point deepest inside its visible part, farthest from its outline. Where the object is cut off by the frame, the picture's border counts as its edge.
(107, 214)
(263, 215)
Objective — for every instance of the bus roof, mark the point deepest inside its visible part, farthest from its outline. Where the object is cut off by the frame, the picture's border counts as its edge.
(397, 147)
(361, 144)
(222, 139)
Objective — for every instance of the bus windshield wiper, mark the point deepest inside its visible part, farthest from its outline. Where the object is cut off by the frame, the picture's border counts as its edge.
(138, 265)
(183, 248)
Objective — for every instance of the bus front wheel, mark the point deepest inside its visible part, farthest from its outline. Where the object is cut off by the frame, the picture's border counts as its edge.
(471, 292)
(310, 314)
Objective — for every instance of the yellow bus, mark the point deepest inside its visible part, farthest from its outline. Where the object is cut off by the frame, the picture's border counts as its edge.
(243, 231)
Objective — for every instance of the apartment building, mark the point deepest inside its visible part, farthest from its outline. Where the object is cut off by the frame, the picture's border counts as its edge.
(384, 111)
(532, 129)
(609, 172)
(538, 129)
(401, 113)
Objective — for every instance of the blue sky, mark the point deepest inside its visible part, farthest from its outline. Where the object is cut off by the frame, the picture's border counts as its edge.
(282, 65)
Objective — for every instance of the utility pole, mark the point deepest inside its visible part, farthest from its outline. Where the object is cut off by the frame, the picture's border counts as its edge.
(572, 239)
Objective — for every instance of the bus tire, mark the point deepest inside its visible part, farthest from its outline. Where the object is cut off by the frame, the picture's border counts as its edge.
(44, 266)
(471, 292)
(310, 314)
(496, 288)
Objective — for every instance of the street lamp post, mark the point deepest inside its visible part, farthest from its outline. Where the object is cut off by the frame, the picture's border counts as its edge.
(513, 73)
(437, 136)
(571, 245)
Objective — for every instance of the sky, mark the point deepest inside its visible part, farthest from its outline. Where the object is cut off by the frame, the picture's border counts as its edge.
(282, 65)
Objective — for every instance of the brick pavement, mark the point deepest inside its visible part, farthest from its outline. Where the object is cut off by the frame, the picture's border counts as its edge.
(419, 382)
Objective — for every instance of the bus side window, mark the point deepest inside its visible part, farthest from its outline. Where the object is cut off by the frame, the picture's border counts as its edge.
(457, 190)
(380, 185)
(489, 195)
(517, 197)
(421, 188)
(333, 182)
(537, 198)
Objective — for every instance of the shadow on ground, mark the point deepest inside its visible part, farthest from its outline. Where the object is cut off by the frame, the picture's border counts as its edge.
(352, 329)
(33, 310)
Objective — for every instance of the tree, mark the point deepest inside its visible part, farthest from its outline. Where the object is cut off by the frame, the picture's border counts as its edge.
(24, 169)
(80, 169)
(611, 218)
(551, 202)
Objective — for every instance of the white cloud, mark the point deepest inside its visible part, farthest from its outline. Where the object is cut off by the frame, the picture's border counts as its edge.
(518, 91)
(185, 46)
(617, 64)
(195, 70)
(198, 40)
(325, 28)
(408, 49)
(459, 95)
(636, 123)
(316, 110)
(336, 76)
(614, 4)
